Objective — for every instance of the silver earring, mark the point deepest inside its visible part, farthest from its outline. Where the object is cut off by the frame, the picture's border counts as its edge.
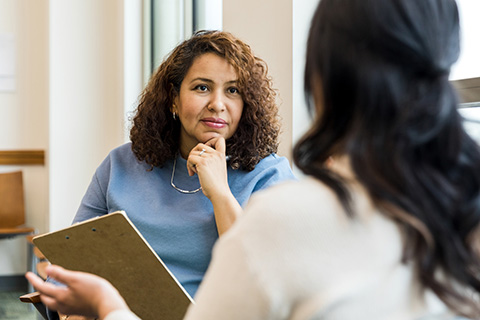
(174, 116)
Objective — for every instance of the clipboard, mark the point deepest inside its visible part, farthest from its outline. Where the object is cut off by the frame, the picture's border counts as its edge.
(110, 246)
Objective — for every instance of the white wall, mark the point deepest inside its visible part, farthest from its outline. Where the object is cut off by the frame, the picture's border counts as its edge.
(24, 111)
(209, 15)
(302, 15)
(168, 27)
(133, 58)
(86, 97)
(468, 65)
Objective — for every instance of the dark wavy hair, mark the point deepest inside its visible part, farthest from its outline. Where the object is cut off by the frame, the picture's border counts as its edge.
(155, 134)
(382, 67)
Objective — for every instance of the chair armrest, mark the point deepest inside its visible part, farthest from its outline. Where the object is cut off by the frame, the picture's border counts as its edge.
(33, 297)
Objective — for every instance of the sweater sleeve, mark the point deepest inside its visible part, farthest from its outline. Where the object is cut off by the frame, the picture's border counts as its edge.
(230, 289)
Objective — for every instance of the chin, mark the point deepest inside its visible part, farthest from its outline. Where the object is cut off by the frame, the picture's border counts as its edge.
(211, 136)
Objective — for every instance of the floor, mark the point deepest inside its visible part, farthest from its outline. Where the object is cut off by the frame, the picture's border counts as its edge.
(11, 308)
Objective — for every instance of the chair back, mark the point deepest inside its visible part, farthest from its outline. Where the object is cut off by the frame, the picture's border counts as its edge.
(12, 204)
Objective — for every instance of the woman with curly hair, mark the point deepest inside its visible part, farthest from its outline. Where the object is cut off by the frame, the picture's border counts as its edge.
(204, 138)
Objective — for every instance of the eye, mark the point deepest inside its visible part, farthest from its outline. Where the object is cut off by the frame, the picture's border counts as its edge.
(201, 87)
(233, 90)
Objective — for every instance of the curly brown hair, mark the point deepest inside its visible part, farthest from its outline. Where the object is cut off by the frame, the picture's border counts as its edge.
(155, 134)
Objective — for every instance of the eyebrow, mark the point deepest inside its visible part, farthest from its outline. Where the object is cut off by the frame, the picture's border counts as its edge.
(211, 81)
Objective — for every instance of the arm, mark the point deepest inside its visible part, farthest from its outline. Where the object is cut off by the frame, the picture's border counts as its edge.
(85, 294)
(94, 202)
(211, 168)
(227, 210)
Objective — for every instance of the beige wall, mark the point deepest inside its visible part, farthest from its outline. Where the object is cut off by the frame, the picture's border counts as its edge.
(277, 31)
(267, 27)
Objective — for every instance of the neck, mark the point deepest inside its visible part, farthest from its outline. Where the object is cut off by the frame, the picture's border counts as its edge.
(184, 151)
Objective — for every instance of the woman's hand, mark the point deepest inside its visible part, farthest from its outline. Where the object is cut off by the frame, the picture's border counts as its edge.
(85, 294)
(208, 161)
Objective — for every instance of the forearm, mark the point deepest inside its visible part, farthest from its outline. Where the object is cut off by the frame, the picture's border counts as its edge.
(226, 209)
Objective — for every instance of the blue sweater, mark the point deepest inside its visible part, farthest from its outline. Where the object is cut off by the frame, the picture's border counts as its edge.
(180, 227)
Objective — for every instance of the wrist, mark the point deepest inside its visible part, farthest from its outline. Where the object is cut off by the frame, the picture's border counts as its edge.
(110, 300)
(221, 195)
(108, 307)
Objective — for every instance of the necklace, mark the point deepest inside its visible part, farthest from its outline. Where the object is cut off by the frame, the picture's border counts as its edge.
(177, 188)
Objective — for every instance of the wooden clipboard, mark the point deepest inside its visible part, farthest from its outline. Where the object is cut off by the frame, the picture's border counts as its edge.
(110, 246)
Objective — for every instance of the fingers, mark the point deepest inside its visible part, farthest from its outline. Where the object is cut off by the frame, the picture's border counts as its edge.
(49, 292)
(35, 280)
(51, 303)
(60, 274)
(44, 289)
(202, 151)
(195, 157)
(212, 146)
(218, 144)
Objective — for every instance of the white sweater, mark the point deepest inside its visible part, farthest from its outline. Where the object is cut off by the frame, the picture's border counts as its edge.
(296, 255)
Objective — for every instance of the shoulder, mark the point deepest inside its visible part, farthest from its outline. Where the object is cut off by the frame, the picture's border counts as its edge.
(273, 166)
(122, 159)
(269, 171)
(294, 196)
(304, 188)
(304, 208)
(123, 155)
(308, 209)
(287, 208)
(125, 150)
(273, 161)
(294, 214)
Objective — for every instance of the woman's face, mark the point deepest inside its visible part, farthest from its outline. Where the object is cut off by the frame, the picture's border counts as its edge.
(209, 104)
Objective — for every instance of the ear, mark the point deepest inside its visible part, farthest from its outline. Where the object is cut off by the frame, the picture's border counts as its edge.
(174, 108)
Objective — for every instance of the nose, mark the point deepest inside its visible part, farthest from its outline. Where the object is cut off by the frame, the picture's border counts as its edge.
(217, 102)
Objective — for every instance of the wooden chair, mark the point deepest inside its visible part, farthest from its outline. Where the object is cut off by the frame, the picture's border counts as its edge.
(34, 298)
(12, 210)
(12, 206)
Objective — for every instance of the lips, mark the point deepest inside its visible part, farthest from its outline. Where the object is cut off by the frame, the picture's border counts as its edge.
(216, 123)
